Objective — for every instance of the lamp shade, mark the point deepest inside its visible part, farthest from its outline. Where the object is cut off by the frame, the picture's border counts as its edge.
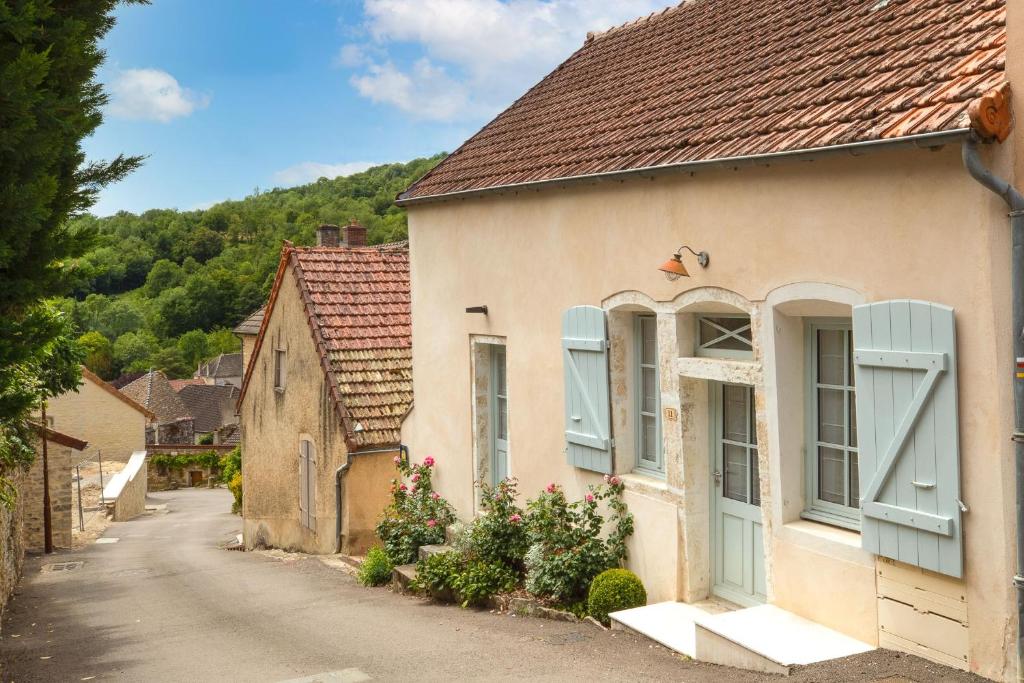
(674, 268)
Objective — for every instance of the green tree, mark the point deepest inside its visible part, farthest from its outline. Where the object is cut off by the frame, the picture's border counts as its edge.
(193, 347)
(222, 340)
(163, 275)
(168, 360)
(133, 350)
(49, 54)
(99, 353)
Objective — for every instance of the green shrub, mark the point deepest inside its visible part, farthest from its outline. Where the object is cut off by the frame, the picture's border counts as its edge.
(416, 516)
(231, 473)
(207, 459)
(206, 440)
(568, 542)
(451, 576)
(376, 568)
(499, 535)
(614, 590)
(235, 486)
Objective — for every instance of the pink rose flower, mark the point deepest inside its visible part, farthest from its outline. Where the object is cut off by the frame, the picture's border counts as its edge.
(590, 498)
(431, 523)
(403, 487)
(435, 495)
(416, 477)
(614, 481)
(413, 489)
(551, 488)
(428, 461)
(515, 519)
(398, 460)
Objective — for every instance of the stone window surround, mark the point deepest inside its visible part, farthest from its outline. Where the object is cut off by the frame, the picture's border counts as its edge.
(480, 374)
(778, 356)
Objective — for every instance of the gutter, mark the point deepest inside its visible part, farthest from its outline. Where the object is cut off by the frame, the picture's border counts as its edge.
(339, 476)
(923, 140)
(991, 118)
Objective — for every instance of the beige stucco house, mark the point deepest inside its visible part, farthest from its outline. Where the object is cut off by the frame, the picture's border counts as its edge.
(817, 417)
(325, 391)
(111, 422)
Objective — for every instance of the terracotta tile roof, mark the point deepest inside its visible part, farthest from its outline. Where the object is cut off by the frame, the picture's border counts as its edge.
(95, 379)
(251, 325)
(718, 79)
(179, 384)
(153, 391)
(358, 305)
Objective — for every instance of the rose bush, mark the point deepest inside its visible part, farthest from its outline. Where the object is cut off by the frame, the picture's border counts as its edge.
(416, 515)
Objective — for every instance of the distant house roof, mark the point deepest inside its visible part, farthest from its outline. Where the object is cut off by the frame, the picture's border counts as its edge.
(230, 435)
(54, 436)
(207, 404)
(224, 365)
(722, 79)
(125, 379)
(124, 398)
(357, 301)
(251, 325)
(154, 392)
(179, 384)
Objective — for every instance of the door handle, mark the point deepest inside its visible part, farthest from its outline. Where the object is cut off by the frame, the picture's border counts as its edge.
(718, 478)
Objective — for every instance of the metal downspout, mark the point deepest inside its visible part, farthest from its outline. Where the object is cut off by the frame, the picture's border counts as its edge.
(1015, 201)
(339, 474)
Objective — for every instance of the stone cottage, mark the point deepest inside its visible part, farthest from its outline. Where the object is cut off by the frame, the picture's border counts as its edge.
(224, 370)
(325, 392)
(171, 422)
(62, 451)
(731, 253)
(111, 422)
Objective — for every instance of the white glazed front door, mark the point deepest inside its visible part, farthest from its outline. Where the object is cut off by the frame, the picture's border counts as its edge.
(737, 541)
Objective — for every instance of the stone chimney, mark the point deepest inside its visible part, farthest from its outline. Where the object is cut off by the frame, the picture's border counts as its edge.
(355, 234)
(327, 235)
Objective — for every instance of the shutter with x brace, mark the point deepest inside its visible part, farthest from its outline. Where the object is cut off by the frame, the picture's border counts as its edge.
(908, 438)
(587, 395)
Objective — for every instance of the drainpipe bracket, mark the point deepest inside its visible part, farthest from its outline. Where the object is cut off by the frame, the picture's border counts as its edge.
(1018, 437)
(1018, 581)
(1016, 213)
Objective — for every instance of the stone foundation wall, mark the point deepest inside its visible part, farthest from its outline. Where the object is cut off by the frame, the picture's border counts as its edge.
(12, 550)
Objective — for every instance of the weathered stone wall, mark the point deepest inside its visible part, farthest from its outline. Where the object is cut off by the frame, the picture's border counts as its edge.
(59, 458)
(127, 489)
(12, 551)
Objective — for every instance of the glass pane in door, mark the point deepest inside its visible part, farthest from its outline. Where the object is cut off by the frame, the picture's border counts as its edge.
(735, 472)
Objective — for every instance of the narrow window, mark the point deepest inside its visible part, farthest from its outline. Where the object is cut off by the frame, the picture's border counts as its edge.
(648, 409)
(724, 336)
(833, 485)
(279, 376)
(499, 418)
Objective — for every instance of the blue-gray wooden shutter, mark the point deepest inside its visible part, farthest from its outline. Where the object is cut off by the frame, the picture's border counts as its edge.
(310, 485)
(907, 423)
(303, 484)
(587, 397)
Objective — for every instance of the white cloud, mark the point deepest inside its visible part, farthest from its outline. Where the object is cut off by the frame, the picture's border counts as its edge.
(153, 95)
(308, 171)
(426, 92)
(488, 51)
(350, 55)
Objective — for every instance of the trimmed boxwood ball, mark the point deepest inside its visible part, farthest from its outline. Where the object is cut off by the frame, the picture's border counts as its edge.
(613, 590)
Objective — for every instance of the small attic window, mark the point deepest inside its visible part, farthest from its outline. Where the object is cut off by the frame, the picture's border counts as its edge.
(279, 373)
(724, 336)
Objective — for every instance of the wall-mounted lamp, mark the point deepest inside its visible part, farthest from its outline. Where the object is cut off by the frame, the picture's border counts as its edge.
(477, 309)
(674, 268)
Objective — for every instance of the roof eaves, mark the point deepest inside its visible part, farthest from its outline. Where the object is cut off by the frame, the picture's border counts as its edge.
(923, 140)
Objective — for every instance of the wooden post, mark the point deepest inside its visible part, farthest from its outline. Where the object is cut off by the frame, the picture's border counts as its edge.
(47, 523)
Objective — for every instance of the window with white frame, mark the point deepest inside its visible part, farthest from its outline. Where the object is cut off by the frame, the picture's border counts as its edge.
(724, 336)
(833, 487)
(648, 410)
(279, 372)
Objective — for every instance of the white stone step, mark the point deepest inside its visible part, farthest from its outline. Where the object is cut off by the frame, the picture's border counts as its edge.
(767, 638)
(668, 623)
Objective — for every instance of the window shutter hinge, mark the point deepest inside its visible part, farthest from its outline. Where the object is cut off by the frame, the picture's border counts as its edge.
(612, 443)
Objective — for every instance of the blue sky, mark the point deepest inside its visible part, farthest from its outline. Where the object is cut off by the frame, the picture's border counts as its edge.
(225, 96)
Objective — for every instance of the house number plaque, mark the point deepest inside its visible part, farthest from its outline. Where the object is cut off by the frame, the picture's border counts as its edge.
(671, 415)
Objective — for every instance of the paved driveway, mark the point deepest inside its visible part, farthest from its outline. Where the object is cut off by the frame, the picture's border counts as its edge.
(165, 603)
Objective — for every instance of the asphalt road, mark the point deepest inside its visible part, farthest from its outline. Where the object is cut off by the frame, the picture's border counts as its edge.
(165, 603)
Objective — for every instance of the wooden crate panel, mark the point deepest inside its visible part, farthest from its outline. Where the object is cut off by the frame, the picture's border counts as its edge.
(894, 642)
(930, 631)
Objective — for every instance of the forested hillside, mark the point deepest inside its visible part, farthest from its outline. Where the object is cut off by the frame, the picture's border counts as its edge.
(163, 289)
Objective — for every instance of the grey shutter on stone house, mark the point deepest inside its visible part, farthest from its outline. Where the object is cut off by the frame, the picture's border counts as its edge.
(310, 485)
(303, 485)
(587, 398)
(907, 423)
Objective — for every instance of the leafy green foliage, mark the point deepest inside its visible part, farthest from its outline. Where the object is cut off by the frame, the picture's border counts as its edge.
(416, 516)
(569, 547)
(376, 568)
(165, 277)
(613, 590)
(452, 575)
(49, 54)
(205, 459)
(499, 535)
(231, 472)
